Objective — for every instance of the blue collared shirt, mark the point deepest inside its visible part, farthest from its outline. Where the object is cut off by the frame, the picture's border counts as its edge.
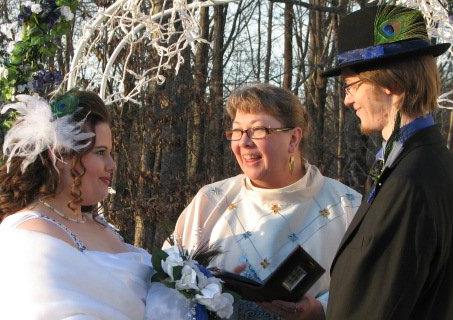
(405, 133)
(408, 131)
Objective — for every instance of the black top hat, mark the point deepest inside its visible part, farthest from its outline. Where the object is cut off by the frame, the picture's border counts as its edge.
(381, 34)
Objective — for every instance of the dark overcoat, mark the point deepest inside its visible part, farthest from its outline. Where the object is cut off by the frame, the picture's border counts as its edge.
(396, 258)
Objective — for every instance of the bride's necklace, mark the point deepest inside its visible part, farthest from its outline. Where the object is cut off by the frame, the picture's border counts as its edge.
(82, 219)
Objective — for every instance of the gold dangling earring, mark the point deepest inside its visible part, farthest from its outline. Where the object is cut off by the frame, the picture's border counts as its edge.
(291, 164)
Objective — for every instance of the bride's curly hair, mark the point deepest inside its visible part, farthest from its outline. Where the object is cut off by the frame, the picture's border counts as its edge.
(19, 189)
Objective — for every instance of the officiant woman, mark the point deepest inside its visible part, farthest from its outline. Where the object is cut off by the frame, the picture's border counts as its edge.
(278, 202)
(58, 260)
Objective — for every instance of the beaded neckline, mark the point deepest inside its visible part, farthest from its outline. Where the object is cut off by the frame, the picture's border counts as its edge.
(49, 206)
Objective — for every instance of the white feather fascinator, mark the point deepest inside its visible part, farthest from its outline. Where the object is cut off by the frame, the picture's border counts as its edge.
(37, 128)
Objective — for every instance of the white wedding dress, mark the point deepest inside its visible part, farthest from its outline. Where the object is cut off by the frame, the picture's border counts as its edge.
(44, 278)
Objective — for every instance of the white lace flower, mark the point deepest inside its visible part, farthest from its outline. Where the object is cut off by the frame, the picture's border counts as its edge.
(67, 13)
(19, 35)
(7, 30)
(188, 279)
(3, 72)
(174, 259)
(21, 88)
(36, 8)
(10, 46)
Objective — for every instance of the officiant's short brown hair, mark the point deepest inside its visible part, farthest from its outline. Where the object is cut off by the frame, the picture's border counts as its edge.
(278, 102)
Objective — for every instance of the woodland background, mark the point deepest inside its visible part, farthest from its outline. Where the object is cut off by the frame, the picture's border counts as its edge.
(172, 144)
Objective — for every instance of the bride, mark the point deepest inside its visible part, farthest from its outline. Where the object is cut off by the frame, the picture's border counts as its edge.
(58, 259)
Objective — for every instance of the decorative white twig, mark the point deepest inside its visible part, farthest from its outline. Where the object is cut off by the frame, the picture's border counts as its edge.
(445, 100)
(438, 22)
(124, 24)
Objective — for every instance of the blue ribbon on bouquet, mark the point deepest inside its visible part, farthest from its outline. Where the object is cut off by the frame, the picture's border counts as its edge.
(200, 310)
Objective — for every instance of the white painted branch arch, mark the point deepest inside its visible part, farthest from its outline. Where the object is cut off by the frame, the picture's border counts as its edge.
(115, 11)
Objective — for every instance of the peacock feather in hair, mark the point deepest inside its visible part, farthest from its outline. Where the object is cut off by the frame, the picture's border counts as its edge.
(64, 105)
(396, 23)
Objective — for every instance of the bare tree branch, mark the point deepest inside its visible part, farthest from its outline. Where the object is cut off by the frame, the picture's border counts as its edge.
(335, 10)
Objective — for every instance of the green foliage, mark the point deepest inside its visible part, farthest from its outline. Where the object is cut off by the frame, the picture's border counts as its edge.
(177, 272)
(8, 122)
(157, 257)
(37, 46)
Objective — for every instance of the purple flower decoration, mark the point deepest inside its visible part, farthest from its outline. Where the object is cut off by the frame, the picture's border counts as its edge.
(57, 77)
(24, 15)
(45, 79)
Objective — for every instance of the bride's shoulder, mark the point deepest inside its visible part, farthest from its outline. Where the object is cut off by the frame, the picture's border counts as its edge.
(34, 221)
(18, 218)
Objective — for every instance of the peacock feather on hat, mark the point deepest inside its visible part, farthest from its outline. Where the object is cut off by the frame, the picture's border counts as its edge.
(396, 23)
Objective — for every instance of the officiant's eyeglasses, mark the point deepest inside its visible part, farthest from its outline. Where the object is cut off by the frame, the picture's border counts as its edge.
(252, 133)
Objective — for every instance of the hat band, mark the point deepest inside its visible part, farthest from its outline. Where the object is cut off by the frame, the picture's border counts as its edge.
(380, 51)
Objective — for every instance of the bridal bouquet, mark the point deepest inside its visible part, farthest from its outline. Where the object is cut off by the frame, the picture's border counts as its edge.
(177, 270)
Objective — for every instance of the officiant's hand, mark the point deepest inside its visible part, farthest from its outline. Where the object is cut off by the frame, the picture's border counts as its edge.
(238, 269)
(306, 309)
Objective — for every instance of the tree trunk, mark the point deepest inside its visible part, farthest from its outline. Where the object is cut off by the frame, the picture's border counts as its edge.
(315, 89)
(340, 125)
(258, 52)
(213, 137)
(288, 47)
(267, 62)
(196, 119)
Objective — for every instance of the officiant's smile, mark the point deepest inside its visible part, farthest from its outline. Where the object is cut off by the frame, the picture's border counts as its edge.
(263, 148)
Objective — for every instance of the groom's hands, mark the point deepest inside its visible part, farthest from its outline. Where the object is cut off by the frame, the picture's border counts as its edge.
(306, 309)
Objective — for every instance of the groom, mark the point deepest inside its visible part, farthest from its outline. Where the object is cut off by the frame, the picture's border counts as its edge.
(396, 259)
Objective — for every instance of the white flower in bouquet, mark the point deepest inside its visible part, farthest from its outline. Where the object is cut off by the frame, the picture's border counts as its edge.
(176, 269)
(174, 259)
(212, 297)
(66, 13)
(188, 279)
(202, 279)
(224, 305)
